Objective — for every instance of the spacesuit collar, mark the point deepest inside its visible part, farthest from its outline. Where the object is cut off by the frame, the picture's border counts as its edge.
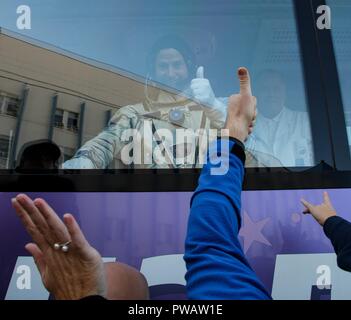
(156, 98)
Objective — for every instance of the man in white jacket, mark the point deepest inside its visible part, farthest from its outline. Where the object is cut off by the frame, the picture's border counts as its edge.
(282, 136)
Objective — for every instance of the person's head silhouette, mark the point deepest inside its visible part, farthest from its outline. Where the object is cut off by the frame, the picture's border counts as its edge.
(38, 155)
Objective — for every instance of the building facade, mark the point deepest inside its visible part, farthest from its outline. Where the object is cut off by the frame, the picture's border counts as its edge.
(49, 93)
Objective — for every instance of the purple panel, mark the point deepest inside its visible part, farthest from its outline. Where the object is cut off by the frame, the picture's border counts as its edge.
(133, 226)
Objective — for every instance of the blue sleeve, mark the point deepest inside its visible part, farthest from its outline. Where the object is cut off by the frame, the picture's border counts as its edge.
(338, 230)
(216, 264)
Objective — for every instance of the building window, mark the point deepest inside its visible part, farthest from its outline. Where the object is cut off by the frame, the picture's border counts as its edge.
(66, 120)
(58, 121)
(9, 105)
(72, 121)
(4, 150)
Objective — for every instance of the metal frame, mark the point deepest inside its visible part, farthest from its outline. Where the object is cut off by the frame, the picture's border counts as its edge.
(52, 116)
(326, 112)
(333, 95)
(18, 125)
(81, 124)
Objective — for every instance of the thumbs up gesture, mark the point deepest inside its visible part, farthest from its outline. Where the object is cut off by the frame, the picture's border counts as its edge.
(202, 90)
(241, 115)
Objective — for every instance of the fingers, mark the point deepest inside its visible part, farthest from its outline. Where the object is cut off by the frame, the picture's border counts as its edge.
(34, 214)
(200, 73)
(244, 78)
(41, 221)
(307, 205)
(327, 199)
(76, 234)
(30, 227)
(57, 228)
(37, 254)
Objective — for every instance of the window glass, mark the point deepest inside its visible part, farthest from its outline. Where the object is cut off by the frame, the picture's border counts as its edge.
(72, 121)
(4, 151)
(9, 105)
(12, 107)
(58, 122)
(165, 70)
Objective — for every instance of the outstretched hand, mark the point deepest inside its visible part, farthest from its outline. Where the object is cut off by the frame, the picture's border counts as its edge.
(69, 267)
(320, 212)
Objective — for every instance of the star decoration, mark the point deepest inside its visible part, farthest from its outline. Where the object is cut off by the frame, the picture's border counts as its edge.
(251, 231)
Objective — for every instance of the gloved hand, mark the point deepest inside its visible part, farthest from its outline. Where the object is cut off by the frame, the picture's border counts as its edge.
(203, 93)
(202, 90)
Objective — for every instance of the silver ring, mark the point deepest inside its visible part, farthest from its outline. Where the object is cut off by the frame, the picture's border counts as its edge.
(63, 246)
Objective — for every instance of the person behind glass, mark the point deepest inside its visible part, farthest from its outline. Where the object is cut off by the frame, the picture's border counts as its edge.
(186, 102)
(337, 229)
(40, 155)
(282, 136)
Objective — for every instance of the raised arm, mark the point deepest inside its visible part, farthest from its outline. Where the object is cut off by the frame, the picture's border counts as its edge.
(337, 229)
(216, 265)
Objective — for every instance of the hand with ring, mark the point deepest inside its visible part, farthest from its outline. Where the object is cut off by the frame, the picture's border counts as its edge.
(69, 267)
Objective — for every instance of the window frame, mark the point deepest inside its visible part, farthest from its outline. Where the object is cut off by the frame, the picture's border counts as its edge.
(5, 104)
(64, 124)
(329, 140)
(333, 93)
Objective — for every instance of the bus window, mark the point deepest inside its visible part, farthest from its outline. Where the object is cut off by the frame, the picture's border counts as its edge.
(117, 82)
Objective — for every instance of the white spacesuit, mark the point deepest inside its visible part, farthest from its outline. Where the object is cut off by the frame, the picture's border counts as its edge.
(163, 110)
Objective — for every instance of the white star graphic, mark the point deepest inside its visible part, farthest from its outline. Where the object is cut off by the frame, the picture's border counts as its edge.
(252, 231)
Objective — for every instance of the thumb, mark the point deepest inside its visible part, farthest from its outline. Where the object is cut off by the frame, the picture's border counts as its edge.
(307, 205)
(37, 254)
(200, 72)
(244, 78)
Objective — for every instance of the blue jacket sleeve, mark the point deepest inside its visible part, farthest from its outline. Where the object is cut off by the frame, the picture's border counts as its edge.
(338, 230)
(216, 265)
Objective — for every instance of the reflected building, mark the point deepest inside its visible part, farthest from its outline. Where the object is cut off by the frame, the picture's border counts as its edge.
(49, 93)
